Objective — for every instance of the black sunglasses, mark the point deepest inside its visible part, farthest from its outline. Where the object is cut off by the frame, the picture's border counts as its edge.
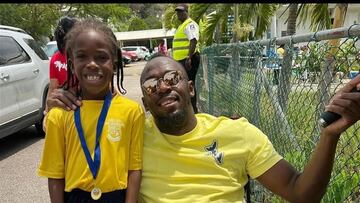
(171, 78)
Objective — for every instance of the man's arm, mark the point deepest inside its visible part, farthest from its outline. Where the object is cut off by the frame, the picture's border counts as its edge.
(192, 33)
(54, 83)
(192, 47)
(132, 191)
(56, 190)
(310, 185)
(65, 99)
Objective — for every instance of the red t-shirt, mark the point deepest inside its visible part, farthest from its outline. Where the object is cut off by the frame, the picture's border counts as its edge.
(58, 67)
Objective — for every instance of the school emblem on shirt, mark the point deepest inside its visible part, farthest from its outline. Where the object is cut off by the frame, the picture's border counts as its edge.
(192, 26)
(114, 130)
(213, 151)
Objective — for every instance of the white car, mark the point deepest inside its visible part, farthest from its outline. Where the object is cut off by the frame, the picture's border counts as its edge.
(24, 81)
(141, 51)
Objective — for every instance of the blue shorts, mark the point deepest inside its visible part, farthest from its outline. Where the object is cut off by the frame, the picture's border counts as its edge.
(81, 196)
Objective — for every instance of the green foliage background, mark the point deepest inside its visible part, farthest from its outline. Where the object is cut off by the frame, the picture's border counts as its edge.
(40, 20)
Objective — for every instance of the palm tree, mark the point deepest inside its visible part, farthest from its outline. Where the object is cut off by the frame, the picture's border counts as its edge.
(251, 20)
(319, 16)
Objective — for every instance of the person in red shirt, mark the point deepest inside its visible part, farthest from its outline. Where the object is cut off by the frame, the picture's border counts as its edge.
(162, 48)
(58, 63)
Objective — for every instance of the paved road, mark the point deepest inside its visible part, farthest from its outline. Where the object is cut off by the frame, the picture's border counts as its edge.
(20, 154)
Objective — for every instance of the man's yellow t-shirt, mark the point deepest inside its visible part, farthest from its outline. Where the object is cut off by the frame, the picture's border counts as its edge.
(121, 145)
(208, 164)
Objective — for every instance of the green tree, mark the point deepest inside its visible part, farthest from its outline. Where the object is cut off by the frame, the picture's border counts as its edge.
(150, 13)
(36, 19)
(319, 16)
(40, 20)
(104, 12)
(145, 10)
(153, 22)
(137, 23)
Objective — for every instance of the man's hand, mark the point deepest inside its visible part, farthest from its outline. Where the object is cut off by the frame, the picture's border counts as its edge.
(65, 99)
(346, 104)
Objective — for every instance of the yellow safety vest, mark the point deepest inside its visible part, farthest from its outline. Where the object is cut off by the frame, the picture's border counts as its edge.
(181, 43)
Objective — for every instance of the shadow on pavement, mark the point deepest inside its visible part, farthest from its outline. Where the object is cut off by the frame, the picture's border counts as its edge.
(16, 142)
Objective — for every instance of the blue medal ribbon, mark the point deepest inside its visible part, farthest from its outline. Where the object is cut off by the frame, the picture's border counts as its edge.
(94, 165)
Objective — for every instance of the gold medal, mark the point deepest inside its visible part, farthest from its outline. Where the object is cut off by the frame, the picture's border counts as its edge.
(96, 193)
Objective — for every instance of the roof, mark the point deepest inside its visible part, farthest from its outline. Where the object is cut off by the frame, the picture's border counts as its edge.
(144, 34)
(15, 29)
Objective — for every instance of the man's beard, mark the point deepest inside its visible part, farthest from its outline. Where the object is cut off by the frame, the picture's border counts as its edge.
(174, 121)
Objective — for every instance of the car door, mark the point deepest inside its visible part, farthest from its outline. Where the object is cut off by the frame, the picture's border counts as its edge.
(9, 95)
(32, 77)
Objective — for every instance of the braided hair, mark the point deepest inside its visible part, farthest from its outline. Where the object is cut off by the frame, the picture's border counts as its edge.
(64, 26)
(97, 26)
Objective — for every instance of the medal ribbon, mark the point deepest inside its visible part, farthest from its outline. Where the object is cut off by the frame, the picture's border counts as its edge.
(94, 165)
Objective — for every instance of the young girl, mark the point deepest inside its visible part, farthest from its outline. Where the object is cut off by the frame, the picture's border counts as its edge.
(95, 153)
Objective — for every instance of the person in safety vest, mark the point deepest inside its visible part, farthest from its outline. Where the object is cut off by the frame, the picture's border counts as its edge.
(185, 49)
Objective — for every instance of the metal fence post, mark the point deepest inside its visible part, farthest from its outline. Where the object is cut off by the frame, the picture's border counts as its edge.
(210, 79)
(257, 92)
(285, 75)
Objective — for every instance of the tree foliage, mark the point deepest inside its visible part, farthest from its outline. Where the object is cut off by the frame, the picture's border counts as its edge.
(103, 12)
(319, 16)
(36, 19)
(137, 23)
(40, 20)
(252, 20)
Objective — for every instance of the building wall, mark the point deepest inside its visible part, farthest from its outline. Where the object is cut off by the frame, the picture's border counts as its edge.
(352, 17)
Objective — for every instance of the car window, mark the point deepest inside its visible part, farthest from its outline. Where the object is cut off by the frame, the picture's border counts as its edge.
(11, 52)
(50, 49)
(38, 50)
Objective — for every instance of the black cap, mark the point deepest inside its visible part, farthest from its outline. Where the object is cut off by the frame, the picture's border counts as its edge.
(182, 7)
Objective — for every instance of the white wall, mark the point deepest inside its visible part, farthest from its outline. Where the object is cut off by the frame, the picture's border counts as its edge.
(352, 17)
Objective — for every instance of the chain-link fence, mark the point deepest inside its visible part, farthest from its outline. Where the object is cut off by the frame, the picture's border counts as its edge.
(284, 92)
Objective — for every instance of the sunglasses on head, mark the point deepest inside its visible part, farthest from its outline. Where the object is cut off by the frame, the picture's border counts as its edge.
(171, 78)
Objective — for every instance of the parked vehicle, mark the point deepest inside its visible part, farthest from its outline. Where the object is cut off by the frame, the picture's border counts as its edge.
(51, 48)
(126, 59)
(140, 51)
(24, 81)
(130, 54)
